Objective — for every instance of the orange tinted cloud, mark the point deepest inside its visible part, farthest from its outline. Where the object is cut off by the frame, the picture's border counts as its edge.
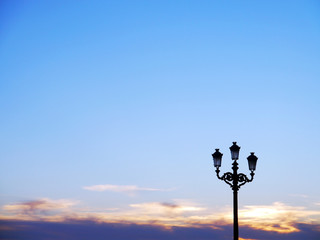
(30, 207)
(31, 210)
(277, 217)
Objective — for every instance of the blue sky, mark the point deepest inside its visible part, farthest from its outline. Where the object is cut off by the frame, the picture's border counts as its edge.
(136, 95)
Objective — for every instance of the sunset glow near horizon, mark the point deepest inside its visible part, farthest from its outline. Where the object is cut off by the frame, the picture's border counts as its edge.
(111, 111)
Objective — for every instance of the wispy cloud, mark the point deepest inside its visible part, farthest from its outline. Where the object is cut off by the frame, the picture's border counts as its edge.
(128, 189)
(299, 195)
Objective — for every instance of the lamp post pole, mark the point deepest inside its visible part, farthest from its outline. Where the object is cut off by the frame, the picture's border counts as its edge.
(235, 180)
(235, 201)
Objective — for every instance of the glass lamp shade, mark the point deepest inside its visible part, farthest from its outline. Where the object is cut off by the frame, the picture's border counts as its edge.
(252, 162)
(217, 156)
(234, 149)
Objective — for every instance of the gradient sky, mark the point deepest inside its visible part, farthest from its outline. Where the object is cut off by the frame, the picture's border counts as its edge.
(112, 109)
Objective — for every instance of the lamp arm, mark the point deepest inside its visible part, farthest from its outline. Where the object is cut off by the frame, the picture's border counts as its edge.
(243, 179)
(226, 177)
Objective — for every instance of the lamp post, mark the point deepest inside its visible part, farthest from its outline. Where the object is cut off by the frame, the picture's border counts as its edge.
(235, 180)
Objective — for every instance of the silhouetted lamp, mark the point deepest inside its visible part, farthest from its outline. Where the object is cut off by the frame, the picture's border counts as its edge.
(252, 162)
(234, 151)
(217, 156)
(234, 179)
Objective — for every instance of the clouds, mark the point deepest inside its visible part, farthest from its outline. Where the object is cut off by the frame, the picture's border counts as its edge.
(277, 217)
(42, 209)
(83, 230)
(164, 207)
(167, 214)
(45, 204)
(80, 230)
(177, 219)
(127, 189)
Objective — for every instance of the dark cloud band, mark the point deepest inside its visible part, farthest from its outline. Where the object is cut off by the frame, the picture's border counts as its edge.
(78, 230)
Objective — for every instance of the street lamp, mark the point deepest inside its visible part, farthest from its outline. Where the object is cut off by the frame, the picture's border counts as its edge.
(235, 180)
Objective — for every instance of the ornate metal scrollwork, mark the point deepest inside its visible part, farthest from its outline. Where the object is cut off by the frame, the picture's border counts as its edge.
(227, 177)
(230, 179)
(243, 179)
